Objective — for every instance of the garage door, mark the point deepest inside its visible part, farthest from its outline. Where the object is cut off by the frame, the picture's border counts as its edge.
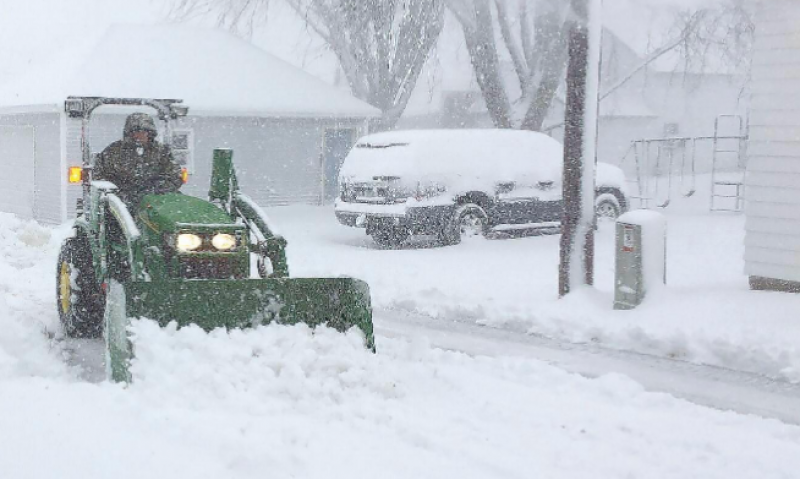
(17, 159)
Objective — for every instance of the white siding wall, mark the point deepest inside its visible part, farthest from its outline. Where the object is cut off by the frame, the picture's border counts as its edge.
(278, 160)
(772, 244)
(48, 174)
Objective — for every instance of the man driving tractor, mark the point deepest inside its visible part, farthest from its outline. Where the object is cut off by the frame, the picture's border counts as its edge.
(137, 164)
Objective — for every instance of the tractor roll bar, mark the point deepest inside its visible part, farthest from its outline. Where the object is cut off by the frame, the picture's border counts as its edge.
(83, 106)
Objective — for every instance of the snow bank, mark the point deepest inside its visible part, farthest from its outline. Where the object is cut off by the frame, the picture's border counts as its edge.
(27, 298)
(297, 364)
(298, 403)
(706, 314)
(288, 402)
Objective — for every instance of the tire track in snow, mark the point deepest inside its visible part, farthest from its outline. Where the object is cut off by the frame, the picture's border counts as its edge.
(711, 386)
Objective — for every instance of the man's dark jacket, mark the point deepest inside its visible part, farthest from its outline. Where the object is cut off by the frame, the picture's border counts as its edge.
(138, 170)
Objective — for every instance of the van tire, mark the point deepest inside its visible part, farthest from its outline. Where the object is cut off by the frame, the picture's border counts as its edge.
(607, 207)
(466, 216)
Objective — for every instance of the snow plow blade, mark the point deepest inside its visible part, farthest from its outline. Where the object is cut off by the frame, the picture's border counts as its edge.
(339, 303)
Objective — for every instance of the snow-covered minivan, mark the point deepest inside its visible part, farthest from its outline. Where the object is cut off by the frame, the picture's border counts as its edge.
(456, 183)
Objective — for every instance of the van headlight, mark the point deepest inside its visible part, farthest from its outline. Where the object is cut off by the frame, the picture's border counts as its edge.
(224, 242)
(429, 190)
(188, 242)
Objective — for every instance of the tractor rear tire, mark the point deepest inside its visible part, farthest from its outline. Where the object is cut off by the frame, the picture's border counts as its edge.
(80, 300)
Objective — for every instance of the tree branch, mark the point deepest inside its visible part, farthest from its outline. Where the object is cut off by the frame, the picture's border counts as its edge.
(483, 54)
(553, 66)
(650, 59)
(520, 65)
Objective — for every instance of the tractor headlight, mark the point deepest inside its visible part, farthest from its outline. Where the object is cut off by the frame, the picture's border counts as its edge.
(188, 242)
(224, 242)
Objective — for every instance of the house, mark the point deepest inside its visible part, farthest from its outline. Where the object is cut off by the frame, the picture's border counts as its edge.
(772, 240)
(289, 130)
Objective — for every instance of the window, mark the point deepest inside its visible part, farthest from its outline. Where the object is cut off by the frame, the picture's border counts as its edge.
(183, 149)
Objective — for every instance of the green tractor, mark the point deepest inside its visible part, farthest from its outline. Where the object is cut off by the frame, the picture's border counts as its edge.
(180, 258)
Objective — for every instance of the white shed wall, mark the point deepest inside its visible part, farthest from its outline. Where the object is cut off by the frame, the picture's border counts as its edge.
(17, 159)
(47, 171)
(772, 243)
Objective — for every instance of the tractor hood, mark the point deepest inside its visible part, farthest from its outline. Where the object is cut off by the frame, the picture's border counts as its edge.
(162, 213)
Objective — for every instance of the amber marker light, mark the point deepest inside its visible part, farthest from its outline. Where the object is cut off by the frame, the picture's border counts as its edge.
(75, 174)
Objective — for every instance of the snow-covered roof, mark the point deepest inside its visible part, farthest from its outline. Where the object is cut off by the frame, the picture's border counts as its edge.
(211, 70)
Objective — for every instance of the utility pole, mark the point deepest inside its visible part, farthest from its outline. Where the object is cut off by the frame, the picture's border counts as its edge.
(580, 133)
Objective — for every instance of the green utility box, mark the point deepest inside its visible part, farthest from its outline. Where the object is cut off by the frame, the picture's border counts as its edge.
(640, 257)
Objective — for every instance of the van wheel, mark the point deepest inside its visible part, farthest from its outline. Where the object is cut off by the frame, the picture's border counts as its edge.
(79, 299)
(607, 207)
(469, 221)
(390, 237)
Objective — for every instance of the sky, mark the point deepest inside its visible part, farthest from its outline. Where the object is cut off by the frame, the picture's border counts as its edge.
(35, 30)
(38, 30)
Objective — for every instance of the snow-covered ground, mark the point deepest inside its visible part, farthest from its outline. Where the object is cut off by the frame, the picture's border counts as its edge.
(707, 314)
(281, 402)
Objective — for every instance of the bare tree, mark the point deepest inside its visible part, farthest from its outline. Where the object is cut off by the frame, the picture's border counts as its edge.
(533, 33)
(381, 46)
(723, 31)
(239, 16)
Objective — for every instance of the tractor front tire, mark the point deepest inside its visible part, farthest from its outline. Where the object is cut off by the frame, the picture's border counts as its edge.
(79, 299)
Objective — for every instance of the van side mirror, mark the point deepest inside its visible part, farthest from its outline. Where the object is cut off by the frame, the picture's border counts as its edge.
(505, 187)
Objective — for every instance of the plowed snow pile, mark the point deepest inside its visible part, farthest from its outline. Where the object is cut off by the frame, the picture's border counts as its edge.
(284, 402)
(27, 304)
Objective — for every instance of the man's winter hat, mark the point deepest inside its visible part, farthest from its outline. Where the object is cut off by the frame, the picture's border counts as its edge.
(140, 122)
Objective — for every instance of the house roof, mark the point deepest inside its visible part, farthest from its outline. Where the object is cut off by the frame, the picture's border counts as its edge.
(211, 70)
